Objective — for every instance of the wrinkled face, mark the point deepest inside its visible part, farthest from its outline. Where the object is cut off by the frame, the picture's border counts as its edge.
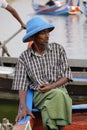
(42, 37)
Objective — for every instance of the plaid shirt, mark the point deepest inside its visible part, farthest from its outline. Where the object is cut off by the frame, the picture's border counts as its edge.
(32, 69)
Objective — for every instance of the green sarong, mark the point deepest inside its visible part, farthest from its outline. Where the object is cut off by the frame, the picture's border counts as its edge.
(55, 106)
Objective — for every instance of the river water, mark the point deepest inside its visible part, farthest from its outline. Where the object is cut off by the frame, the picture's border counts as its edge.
(70, 31)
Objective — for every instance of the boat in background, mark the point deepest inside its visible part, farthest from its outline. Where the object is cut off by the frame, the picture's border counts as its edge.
(62, 9)
(85, 7)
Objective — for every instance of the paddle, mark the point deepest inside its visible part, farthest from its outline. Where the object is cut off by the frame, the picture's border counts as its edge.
(5, 42)
(4, 50)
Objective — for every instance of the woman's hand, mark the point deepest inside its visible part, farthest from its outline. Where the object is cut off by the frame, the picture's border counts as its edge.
(23, 26)
(45, 87)
(23, 112)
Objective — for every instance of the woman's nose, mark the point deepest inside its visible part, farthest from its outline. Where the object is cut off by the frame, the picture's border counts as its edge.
(47, 34)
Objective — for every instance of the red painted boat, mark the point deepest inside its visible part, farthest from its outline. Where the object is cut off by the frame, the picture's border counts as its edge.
(79, 122)
(79, 117)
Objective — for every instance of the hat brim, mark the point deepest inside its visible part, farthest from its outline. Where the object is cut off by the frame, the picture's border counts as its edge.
(36, 30)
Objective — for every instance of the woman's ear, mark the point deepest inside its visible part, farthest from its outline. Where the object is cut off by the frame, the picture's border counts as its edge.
(30, 44)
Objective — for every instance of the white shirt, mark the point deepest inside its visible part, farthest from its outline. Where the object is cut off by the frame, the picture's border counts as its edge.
(3, 3)
(57, 2)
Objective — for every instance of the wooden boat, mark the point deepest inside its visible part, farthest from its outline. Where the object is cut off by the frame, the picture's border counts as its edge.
(30, 124)
(77, 88)
(79, 80)
(78, 123)
(62, 9)
(85, 7)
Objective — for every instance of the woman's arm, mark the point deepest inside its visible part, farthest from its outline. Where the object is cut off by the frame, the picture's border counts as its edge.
(16, 15)
(23, 111)
(46, 87)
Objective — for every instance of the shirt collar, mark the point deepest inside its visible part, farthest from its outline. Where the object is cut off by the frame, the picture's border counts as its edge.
(31, 52)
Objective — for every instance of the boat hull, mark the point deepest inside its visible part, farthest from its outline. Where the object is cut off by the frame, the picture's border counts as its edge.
(55, 10)
(79, 121)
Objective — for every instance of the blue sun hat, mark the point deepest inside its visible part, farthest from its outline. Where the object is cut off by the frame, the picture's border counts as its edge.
(36, 25)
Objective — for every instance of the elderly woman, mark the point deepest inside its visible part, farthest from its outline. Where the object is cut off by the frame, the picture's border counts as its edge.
(44, 68)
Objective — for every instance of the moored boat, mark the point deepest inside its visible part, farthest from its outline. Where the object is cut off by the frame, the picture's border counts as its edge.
(85, 7)
(79, 119)
(62, 9)
(36, 124)
(77, 87)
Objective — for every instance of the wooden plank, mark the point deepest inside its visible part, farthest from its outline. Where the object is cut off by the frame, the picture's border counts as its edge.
(72, 62)
(9, 95)
(78, 63)
(80, 74)
(12, 60)
(7, 72)
(5, 84)
(79, 90)
(79, 78)
(79, 99)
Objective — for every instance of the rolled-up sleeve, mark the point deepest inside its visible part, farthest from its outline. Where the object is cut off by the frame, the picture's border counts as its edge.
(3, 3)
(20, 80)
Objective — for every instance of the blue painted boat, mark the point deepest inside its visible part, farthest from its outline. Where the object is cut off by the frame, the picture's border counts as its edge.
(65, 8)
(85, 7)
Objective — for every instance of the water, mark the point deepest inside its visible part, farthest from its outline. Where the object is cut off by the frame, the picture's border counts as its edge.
(70, 31)
(8, 109)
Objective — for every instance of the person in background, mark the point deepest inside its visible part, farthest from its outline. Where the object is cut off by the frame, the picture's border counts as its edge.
(85, 7)
(84, 2)
(5, 5)
(53, 2)
(44, 68)
(50, 3)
